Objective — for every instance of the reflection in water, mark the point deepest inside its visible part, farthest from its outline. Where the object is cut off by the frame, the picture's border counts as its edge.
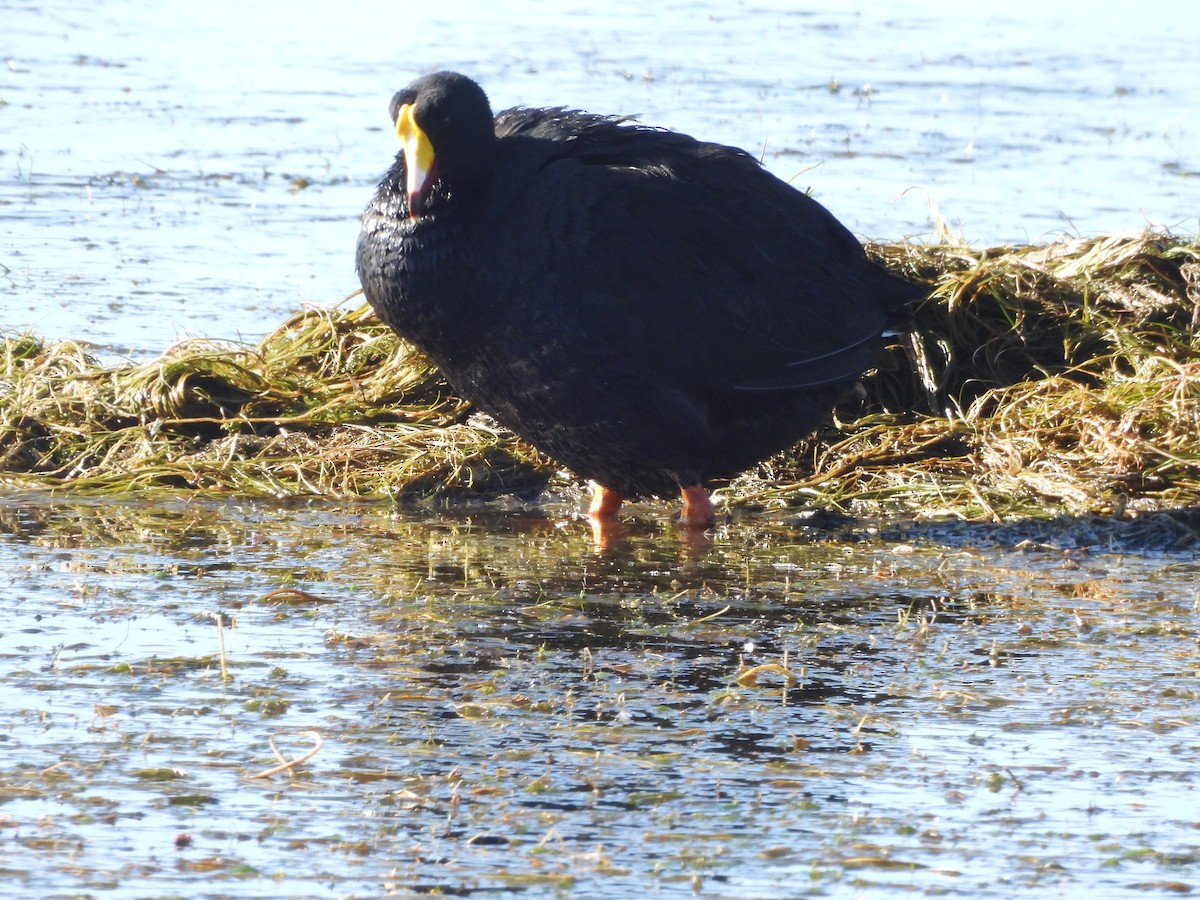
(503, 706)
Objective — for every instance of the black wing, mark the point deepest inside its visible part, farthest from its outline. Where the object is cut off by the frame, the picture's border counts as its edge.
(683, 259)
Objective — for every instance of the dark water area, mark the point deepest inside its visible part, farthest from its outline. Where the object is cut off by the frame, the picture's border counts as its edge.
(788, 707)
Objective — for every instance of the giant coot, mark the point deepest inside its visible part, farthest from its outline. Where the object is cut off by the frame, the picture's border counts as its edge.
(650, 310)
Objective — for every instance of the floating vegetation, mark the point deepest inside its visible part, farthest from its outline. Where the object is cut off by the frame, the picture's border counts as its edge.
(331, 403)
(1059, 378)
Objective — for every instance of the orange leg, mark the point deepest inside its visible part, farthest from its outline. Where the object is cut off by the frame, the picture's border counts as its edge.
(605, 503)
(697, 507)
(602, 513)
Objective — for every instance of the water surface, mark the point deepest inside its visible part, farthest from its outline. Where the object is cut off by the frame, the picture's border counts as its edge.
(506, 711)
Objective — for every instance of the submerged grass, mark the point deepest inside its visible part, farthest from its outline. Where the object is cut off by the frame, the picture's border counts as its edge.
(1060, 378)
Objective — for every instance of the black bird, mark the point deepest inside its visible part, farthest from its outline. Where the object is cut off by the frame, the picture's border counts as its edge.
(650, 310)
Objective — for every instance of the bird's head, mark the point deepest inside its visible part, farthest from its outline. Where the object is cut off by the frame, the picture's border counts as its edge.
(445, 126)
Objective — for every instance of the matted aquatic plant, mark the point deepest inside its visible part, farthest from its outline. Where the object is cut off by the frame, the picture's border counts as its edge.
(1062, 377)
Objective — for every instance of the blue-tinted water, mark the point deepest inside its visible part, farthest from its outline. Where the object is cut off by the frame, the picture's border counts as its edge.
(169, 170)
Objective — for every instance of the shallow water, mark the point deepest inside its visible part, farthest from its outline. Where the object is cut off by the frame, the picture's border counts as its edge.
(506, 710)
(167, 171)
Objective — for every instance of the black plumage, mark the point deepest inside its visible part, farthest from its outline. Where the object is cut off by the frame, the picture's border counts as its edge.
(650, 310)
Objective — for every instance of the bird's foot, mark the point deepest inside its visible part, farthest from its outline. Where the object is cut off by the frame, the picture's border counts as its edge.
(697, 507)
(605, 503)
(602, 513)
